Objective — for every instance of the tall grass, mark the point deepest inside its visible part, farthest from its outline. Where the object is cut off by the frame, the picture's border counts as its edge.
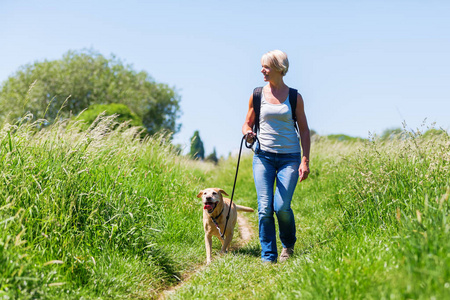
(372, 223)
(94, 213)
(99, 213)
(397, 180)
(399, 190)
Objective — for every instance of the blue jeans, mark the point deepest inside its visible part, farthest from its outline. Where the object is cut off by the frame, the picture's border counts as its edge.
(268, 167)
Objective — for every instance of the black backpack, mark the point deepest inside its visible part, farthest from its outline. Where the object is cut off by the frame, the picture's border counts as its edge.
(257, 106)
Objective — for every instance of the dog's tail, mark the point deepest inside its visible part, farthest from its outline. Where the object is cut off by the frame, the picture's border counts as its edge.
(244, 208)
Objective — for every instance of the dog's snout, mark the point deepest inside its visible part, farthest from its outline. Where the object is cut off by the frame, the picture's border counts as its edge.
(209, 198)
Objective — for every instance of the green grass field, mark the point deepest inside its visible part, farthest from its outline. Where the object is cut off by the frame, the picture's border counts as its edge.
(94, 214)
(372, 223)
(100, 214)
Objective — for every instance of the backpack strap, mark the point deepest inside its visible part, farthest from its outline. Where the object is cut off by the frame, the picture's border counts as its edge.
(293, 101)
(257, 107)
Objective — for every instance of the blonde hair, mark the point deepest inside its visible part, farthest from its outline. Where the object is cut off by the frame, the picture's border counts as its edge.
(276, 59)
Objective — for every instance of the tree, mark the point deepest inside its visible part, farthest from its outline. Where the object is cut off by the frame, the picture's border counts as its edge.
(197, 151)
(213, 157)
(59, 88)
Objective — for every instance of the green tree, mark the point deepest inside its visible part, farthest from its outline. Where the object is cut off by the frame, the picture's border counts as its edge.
(197, 151)
(80, 79)
(213, 157)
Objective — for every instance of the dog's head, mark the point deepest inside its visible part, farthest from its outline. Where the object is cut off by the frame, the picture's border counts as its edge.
(211, 197)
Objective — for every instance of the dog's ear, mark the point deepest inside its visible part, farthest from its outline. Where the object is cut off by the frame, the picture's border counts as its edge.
(200, 194)
(222, 192)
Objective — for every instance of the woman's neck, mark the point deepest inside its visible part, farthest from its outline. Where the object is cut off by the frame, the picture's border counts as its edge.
(277, 85)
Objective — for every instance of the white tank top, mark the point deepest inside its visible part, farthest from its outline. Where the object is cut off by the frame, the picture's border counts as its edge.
(276, 128)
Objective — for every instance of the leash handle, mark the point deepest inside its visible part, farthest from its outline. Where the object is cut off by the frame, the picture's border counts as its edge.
(248, 145)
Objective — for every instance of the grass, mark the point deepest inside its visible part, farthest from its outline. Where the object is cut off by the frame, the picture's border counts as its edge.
(372, 223)
(100, 214)
(94, 213)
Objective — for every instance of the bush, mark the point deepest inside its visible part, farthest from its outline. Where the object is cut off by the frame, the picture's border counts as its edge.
(122, 111)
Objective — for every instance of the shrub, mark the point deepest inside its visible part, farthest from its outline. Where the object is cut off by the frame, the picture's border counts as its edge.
(124, 114)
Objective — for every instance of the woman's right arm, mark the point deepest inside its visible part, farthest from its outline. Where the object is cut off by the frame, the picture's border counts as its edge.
(249, 121)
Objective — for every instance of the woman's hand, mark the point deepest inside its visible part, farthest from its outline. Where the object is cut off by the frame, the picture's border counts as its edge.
(303, 170)
(250, 136)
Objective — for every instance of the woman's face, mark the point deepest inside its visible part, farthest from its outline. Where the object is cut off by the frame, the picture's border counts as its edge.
(269, 73)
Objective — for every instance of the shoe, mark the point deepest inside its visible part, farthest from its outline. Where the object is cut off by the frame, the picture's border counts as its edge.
(286, 253)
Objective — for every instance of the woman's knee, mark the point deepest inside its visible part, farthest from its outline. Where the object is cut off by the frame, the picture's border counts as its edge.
(282, 205)
(265, 211)
(284, 213)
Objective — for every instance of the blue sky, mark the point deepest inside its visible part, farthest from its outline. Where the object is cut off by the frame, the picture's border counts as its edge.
(361, 66)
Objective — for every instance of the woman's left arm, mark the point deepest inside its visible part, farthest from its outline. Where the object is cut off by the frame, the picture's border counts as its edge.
(304, 137)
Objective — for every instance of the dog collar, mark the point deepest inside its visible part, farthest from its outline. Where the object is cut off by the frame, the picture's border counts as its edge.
(218, 214)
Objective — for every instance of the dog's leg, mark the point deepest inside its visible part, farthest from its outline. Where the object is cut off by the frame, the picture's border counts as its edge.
(226, 243)
(208, 246)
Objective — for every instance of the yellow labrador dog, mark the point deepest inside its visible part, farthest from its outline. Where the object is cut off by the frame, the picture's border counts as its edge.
(215, 211)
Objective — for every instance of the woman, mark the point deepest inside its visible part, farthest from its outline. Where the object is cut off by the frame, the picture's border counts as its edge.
(277, 155)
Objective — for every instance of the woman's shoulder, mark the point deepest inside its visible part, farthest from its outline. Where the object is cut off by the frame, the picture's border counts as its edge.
(292, 90)
(258, 89)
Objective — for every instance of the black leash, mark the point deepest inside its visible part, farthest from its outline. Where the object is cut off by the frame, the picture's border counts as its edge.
(249, 146)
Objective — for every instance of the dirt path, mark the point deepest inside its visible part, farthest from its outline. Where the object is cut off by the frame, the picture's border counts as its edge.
(245, 235)
(245, 230)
